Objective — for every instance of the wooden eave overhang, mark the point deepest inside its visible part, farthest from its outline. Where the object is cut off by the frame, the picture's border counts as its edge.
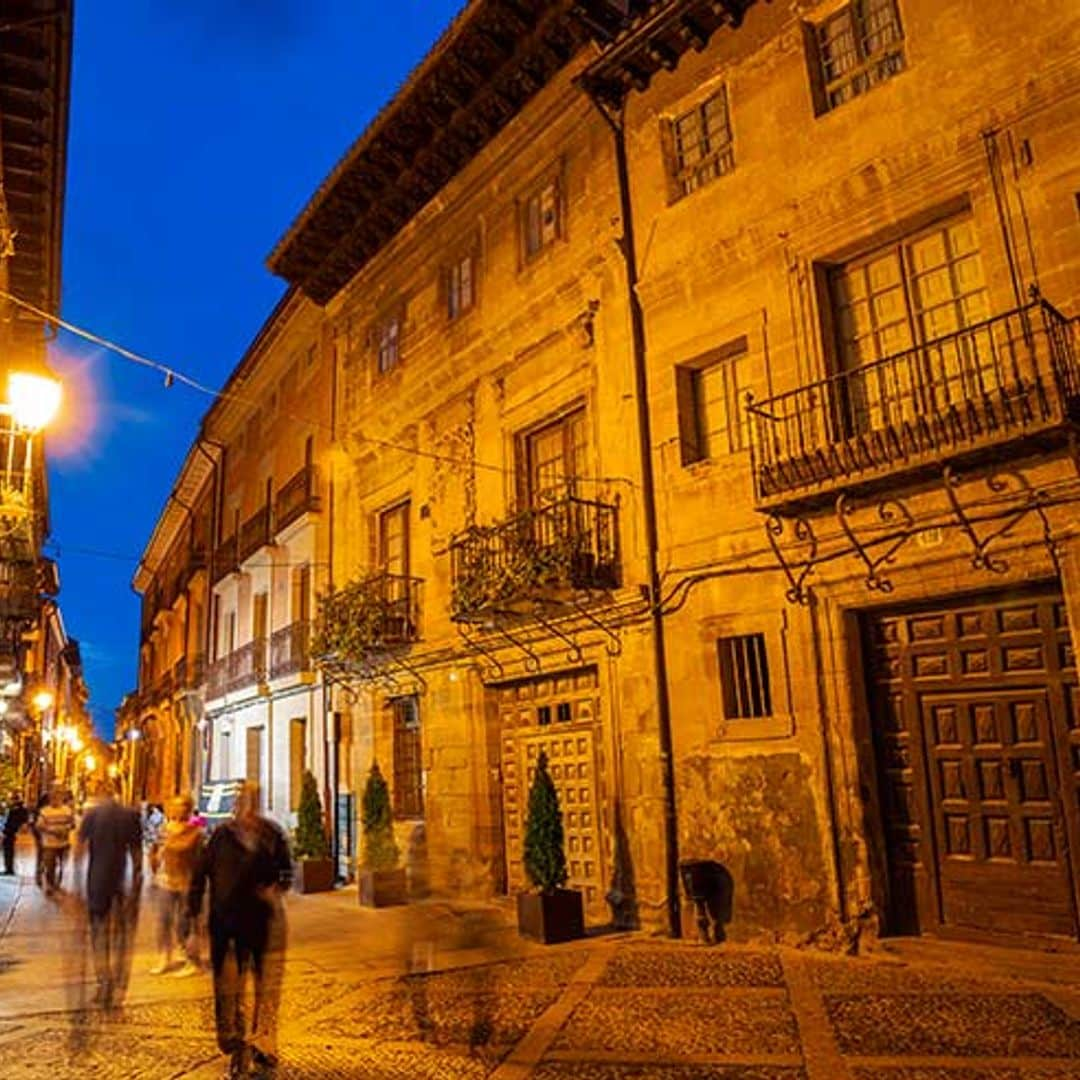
(644, 37)
(35, 85)
(495, 56)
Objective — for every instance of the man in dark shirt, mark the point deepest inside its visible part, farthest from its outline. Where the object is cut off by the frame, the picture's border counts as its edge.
(111, 837)
(247, 865)
(17, 817)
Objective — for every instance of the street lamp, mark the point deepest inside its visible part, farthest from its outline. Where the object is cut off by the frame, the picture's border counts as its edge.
(34, 399)
(43, 700)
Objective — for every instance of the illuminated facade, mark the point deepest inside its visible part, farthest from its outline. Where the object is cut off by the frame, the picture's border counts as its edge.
(819, 630)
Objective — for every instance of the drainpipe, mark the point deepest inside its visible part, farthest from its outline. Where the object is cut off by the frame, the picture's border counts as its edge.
(206, 738)
(616, 121)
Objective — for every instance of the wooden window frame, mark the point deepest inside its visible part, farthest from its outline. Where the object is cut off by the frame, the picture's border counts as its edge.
(527, 493)
(872, 66)
(553, 178)
(408, 749)
(717, 160)
(387, 360)
(457, 305)
(693, 442)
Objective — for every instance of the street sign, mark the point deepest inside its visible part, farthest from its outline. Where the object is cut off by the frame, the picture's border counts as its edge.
(217, 799)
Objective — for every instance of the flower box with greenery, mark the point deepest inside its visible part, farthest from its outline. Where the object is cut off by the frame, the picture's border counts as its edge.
(382, 882)
(552, 913)
(315, 868)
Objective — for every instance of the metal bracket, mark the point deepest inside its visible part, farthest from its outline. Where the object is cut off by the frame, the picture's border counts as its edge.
(531, 661)
(574, 654)
(421, 682)
(613, 645)
(999, 483)
(797, 572)
(476, 646)
(890, 512)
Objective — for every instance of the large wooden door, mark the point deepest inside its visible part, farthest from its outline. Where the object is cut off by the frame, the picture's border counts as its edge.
(973, 731)
(557, 715)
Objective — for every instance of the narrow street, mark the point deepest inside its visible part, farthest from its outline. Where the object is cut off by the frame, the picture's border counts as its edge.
(489, 1005)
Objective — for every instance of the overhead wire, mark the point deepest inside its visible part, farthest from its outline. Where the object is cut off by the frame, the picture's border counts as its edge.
(173, 375)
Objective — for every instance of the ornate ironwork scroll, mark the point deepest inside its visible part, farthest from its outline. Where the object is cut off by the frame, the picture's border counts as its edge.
(573, 653)
(476, 645)
(795, 572)
(893, 515)
(1001, 484)
(613, 644)
(531, 659)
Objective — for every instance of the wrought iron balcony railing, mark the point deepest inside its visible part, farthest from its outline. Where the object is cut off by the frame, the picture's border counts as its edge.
(299, 496)
(225, 559)
(369, 616)
(568, 546)
(1013, 377)
(290, 649)
(247, 665)
(194, 671)
(254, 533)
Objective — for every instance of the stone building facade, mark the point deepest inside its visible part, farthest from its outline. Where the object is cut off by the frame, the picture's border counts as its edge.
(227, 687)
(704, 380)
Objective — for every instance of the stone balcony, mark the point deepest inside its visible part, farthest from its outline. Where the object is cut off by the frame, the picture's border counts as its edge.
(290, 649)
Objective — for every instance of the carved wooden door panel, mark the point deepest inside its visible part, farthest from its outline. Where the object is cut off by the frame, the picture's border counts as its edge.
(977, 737)
(994, 800)
(556, 715)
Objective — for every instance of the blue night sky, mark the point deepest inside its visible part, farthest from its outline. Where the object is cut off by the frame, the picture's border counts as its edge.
(199, 128)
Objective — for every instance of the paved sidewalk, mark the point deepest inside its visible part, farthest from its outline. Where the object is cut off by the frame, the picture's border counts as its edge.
(486, 1005)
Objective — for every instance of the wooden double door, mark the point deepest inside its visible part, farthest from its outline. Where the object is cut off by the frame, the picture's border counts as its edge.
(977, 739)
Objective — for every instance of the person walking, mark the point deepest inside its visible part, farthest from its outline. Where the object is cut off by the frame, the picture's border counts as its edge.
(247, 866)
(173, 860)
(16, 819)
(110, 837)
(55, 822)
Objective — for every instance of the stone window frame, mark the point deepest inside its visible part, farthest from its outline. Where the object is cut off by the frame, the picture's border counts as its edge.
(455, 307)
(693, 442)
(775, 630)
(868, 65)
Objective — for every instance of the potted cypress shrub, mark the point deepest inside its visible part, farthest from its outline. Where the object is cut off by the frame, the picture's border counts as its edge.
(382, 881)
(551, 913)
(315, 868)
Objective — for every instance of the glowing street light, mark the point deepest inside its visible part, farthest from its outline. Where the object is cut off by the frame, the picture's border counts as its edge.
(34, 399)
(77, 745)
(90, 762)
(43, 700)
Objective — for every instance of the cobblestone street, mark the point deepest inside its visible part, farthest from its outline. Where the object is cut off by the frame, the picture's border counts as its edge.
(481, 1003)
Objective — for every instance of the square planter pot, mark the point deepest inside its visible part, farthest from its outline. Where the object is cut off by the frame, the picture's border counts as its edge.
(383, 888)
(314, 875)
(551, 917)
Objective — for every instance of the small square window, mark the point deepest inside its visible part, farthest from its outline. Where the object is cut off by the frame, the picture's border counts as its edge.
(543, 715)
(703, 148)
(854, 50)
(744, 677)
(460, 286)
(388, 343)
(563, 712)
(541, 218)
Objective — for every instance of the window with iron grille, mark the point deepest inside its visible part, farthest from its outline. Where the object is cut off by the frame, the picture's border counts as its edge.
(460, 285)
(541, 217)
(744, 677)
(856, 48)
(408, 772)
(388, 342)
(703, 148)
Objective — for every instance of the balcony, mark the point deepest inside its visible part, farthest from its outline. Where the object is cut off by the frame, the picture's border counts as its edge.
(290, 649)
(1013, 379)
(299, 496)
(254, 533)
(246, 666)
(194, 671)
(225, 559)
(537, 557)
(370, 616)
(217, 675)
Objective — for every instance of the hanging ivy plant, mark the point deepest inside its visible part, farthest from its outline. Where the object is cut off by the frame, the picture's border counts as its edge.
(351, 622)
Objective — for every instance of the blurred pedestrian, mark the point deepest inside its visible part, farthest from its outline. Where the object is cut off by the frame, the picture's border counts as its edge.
(35, 829)
(111, 837)
(55, 823)
(16, 819)
(173, 860)
(246, 862)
